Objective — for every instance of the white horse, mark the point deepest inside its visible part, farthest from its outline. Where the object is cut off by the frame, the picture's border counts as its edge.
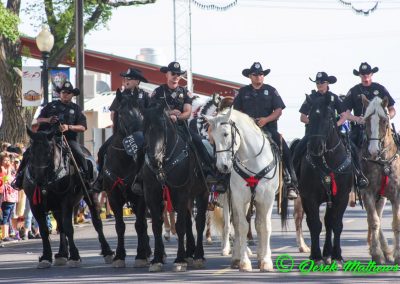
(381, 164)
(240, 144)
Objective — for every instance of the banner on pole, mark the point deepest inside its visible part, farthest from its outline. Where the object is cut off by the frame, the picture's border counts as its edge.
(31, 86)
(58, 76)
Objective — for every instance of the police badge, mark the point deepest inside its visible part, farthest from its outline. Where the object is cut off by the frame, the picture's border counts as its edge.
(266, 92)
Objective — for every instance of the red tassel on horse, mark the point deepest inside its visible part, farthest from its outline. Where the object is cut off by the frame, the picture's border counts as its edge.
(384, 184)
(37, 199)
(167, 198)
(251, 181)
(333, 184)
(117, 182)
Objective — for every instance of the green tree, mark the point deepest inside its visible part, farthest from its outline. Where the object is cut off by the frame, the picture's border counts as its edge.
(60, 16)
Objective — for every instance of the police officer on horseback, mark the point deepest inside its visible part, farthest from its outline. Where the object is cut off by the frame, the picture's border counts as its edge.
(322, 81)
(131, 80)
(263, 103)
(353, 102)
(178, 104)
(67, 117)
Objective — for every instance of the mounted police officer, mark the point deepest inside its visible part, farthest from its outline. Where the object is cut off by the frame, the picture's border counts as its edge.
(263, 103)
(130, 80)
(178, 104)
(322, 81)
(353, 102)
(69, 119)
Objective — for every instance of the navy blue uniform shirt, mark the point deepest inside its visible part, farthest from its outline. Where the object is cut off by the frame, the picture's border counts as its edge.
(175, 99)
(353, 100)
(259, 103)
(70, 114)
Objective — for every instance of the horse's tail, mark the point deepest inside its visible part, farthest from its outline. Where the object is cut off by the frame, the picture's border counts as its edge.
(217, 220)
(284, 210)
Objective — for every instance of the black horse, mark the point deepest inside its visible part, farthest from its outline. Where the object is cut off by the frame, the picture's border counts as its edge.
(171, 173)
(326, 175)
(51, 183)
(123, 161)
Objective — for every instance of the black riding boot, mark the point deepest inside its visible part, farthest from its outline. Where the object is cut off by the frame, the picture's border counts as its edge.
(360, 180)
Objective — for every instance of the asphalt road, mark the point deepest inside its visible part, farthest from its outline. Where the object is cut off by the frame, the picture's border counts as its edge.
(18, 260)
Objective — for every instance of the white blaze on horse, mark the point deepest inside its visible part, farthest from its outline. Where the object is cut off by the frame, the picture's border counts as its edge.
(381, 164)
(241, 145)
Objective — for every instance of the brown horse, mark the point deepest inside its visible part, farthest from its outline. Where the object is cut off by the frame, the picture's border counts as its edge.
(381, 164)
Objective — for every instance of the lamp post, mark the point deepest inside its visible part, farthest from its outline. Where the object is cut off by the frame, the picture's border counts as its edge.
(45, 42)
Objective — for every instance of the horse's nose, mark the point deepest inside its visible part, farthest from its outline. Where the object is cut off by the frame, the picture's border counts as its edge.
(225, 168)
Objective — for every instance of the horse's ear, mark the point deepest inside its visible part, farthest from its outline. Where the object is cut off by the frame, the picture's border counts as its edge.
(365, 101)
(308, 99)
(29, 131)
(385, 102)
(118, 94)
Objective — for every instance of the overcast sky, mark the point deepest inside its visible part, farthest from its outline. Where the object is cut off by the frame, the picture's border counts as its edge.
(293, 38)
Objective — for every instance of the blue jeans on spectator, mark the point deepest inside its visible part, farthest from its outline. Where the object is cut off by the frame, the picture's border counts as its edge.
(7, 208)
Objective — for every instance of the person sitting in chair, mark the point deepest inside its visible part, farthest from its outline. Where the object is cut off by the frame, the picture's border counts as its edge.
(263, 103)
(69, 119)
(178, 104)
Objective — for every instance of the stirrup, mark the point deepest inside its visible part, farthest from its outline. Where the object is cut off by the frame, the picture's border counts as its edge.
(361, 182)
(292, 195)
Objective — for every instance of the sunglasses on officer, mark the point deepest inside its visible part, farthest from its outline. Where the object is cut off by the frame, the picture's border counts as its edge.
(175, 74)
(65, 92)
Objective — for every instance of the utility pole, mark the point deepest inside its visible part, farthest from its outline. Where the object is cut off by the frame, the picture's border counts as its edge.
(80, 56)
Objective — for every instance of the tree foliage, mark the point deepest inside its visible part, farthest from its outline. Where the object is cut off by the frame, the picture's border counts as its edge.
(60, 16)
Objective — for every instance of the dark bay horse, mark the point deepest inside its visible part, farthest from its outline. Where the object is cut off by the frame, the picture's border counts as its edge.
(123, 161)
(171, 172)
(381, 164)
(51, 184)
(326, 175)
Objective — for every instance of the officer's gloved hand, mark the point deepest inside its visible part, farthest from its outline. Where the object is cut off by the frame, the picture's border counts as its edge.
(53, 119)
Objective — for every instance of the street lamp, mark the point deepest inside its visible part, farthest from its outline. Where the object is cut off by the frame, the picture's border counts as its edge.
(45, 42)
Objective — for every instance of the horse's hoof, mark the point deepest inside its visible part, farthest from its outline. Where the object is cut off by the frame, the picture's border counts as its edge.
(209, 241)
(266, 266)
(305, 249)
(327, 260)
(189, 261)
(179, 267)
(235, 263)
(44, 264)
(245, 267)
(379, 259)
(249, 252)
(339, 263)
(389, 258)
(167, 236)
(140, 263)
(199, 263)
(156, 267)
(60, 261)
(225, 252)
(118, 263)
(108, 259)
(74, 263)
(318, 262)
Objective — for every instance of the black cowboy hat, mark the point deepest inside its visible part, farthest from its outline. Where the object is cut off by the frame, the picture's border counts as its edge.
(255, 68)
(67, 86)
(134, 73)
(174, 67)
(364, 69)
(323, 77)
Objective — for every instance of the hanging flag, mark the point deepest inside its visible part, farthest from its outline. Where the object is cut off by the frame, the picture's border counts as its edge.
(58, 76)
(31, 86)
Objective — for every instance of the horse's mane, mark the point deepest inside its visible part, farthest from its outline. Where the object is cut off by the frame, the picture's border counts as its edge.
(204, 109)
(238, 116)
(375, 105)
